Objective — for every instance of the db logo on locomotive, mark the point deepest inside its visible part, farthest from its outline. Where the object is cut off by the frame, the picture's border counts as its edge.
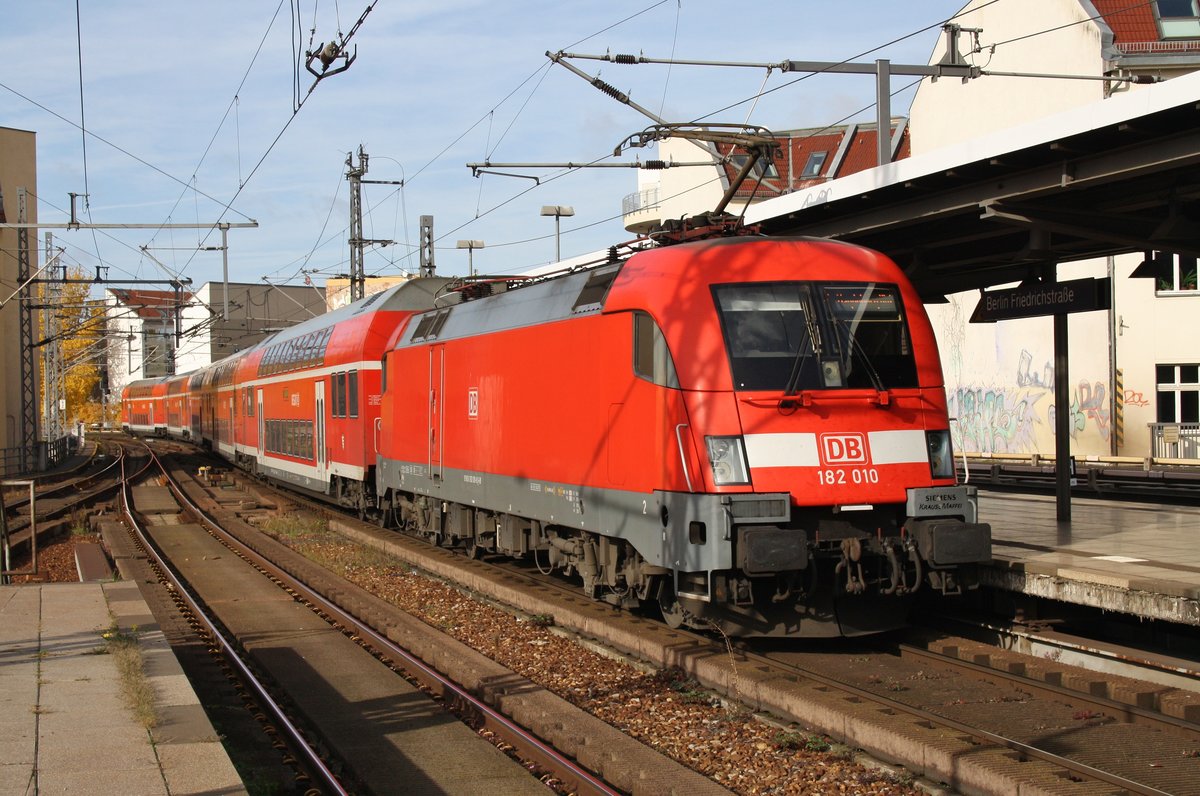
(843, 449)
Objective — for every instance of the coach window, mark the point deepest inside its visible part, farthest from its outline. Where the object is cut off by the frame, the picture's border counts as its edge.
(352, 397)
(651, 357)
(338, 392)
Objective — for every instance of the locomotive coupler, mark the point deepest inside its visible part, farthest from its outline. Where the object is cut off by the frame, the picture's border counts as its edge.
(851, 563)
(895, 572)
(915, 557)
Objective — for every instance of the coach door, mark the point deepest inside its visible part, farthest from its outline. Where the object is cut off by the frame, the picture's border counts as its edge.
(261, 423)
(319, 434)
(437, 424)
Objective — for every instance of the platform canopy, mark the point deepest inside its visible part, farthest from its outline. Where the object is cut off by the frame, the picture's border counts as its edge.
(1120, 175)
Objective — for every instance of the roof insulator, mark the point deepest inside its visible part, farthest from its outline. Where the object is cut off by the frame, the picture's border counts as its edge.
(625, 59)
(654, 164)
(610, 90)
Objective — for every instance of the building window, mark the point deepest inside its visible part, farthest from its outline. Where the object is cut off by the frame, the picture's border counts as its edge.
(1178, 19)
(1178, 393)
(1176, 275)
(763, 168)
(814, 164)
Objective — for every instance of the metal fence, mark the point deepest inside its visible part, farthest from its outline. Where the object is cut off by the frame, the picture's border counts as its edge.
(642, 200)
(1175, 440)
(41, 457)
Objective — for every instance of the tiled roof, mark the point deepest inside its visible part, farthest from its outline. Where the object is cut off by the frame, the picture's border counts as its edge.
(859, 156)
(151, 305)
(1130, 21)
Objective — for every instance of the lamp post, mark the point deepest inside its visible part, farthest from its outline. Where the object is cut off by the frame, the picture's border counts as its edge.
(470, 246)
(558, 211)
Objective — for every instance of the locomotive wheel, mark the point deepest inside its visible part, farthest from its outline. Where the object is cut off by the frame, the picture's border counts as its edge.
(672, 611)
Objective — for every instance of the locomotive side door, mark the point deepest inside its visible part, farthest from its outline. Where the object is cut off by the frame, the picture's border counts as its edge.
(319, 434)
(437, 386)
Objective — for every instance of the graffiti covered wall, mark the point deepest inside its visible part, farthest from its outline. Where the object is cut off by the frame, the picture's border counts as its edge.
(1000, 381)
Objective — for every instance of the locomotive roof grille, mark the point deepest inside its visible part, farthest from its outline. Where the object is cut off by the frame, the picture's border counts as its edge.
(371, 299)
(538, 301)
(596, 289)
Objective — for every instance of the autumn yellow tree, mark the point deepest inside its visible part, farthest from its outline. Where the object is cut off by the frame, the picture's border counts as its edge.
(76, 320)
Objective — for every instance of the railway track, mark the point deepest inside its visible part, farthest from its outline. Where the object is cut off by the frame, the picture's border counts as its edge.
(44, 507)
(953, 722)
(1059, 722)
(372, 769)
(938, 722)
(1017, 704)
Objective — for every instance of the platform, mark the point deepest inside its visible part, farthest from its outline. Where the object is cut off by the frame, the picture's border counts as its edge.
(1136, 558)
(64, 724)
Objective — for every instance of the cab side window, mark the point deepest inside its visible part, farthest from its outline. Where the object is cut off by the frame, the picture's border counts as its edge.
(651, 357)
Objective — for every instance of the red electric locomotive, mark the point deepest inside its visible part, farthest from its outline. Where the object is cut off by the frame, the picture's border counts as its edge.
(751, 432)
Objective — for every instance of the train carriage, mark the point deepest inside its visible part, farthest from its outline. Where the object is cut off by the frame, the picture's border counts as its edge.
(223, 396)
(176, 401)
(246, 434)
(144, 406)
(751, 432)
(316, 391)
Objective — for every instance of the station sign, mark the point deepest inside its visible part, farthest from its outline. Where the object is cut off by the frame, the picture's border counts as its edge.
(1035, 299)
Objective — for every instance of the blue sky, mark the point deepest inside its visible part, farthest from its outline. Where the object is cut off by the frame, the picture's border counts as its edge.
(193, 101)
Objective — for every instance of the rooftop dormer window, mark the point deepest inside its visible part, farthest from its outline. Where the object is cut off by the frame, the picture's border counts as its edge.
(763, 168)
(1178, 19)
(812, 167)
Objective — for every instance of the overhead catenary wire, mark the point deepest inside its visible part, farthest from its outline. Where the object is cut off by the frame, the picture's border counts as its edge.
(482, 209)
(1093, 18)
(753, 98)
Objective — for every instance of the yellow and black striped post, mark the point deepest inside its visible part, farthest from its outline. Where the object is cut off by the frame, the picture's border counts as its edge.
(1119, 413)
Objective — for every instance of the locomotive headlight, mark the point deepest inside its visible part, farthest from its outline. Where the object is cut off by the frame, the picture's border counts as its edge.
(728, 459)
(941, 455)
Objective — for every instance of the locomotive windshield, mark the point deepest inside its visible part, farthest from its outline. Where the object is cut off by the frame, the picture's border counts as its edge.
(794, 336)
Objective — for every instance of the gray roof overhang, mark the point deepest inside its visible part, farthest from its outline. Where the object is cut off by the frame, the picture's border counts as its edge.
(1118, 176)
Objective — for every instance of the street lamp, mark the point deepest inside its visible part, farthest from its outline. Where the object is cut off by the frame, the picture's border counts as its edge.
(470, 246)
(558, 211)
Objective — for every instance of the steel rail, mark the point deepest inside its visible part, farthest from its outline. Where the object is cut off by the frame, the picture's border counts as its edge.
(574, 776)
(75, 484)
(966, 729)
(1132, 714)
(1074, 766)
(19, 529)
(312, 760)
